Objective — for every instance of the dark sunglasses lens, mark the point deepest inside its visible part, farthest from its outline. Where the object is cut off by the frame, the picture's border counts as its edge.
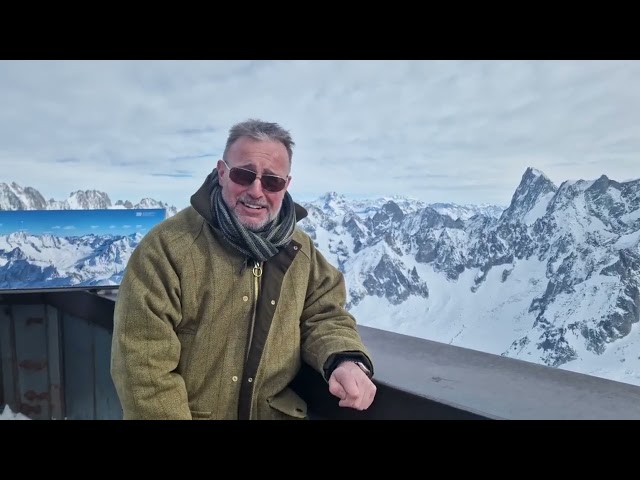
(273, 184)
(247, 177)
(242, 177)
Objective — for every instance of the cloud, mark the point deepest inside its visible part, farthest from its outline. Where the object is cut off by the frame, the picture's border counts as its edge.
(68, 227)
(360, 126)
(175, 174)
(95, 226)
(197, 131)
(193, 157)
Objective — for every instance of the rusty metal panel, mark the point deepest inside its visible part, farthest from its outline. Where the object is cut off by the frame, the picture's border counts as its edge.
(54, 365)
(7, 359)
(56, 399)
(79, 368)
(107, 401)
(30, 330)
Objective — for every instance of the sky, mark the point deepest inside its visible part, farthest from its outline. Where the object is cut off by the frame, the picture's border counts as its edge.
(438, 131)
(71, 223)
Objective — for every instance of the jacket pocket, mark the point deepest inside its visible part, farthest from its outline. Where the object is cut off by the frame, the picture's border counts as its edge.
(288, 403)
(200, 415)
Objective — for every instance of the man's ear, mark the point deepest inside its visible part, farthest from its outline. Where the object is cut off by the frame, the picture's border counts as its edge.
(221, 169)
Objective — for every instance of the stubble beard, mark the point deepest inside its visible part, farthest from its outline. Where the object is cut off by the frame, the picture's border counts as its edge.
(253, 226)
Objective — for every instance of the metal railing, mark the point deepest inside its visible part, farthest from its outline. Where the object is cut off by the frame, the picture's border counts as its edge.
(54, 363)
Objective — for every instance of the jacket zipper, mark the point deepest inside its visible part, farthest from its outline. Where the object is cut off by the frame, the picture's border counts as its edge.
(257, 273)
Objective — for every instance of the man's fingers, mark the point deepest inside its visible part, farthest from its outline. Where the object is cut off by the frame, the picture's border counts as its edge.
(354, 393)
(352, 387)
(363, 399)
(370, 395)
(346, 389)
(336, 389)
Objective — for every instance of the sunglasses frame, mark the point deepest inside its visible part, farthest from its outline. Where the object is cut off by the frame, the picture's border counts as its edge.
(255, 175)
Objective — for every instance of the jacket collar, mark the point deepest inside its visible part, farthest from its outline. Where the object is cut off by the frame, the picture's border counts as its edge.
(200, 202)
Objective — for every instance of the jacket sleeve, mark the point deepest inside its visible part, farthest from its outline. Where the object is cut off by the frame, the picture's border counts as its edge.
(328, 330)
(145, 348)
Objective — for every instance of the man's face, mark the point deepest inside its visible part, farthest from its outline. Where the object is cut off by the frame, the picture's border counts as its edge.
(252, 205)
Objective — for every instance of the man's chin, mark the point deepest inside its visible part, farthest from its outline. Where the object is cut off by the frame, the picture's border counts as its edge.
(253, 224)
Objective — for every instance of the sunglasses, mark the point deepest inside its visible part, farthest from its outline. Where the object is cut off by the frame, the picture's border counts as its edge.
(244, 177)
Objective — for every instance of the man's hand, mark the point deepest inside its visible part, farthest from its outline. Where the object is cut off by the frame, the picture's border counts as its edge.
(352, 386)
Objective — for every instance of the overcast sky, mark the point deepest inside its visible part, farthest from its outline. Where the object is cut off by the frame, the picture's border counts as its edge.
(440, 131)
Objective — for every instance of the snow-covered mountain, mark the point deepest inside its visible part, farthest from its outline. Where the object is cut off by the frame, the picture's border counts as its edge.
(554, 278)
(16, 197)
(39, 261)
(336, 205)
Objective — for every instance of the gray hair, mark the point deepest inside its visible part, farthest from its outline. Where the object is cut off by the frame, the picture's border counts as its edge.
(259, 130)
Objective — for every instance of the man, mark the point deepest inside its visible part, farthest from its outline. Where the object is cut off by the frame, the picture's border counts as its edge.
(222, 302)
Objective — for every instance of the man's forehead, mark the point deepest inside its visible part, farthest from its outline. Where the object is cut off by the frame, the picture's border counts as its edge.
(253, 154)
(248, 143)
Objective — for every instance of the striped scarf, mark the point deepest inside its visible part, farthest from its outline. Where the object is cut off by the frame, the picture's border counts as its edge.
(260, 245)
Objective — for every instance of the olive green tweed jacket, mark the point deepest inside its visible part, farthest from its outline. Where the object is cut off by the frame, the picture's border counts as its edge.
(200, 333)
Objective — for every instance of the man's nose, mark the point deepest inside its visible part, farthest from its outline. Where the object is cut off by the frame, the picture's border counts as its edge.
(255, 189)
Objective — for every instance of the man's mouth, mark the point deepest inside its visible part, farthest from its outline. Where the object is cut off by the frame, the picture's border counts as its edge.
(252, 205)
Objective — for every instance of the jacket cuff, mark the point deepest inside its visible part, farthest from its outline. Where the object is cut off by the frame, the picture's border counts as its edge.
(337, 358)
